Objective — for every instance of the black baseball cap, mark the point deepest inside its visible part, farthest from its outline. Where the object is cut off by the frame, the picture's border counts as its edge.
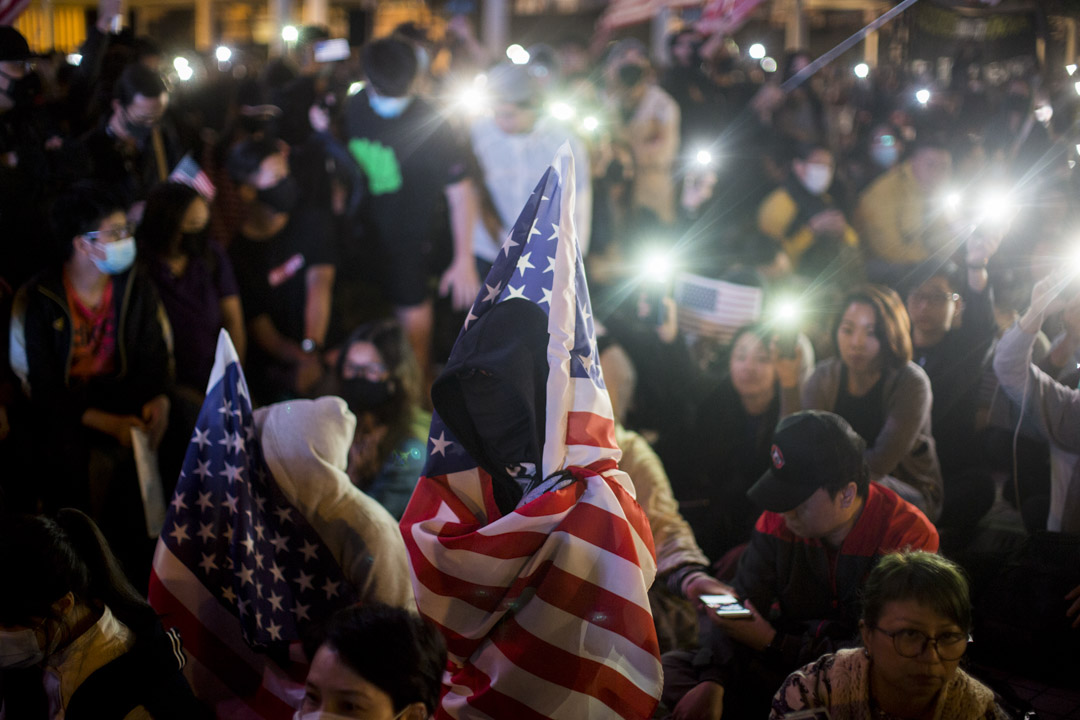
(810, 450)
(13, 45)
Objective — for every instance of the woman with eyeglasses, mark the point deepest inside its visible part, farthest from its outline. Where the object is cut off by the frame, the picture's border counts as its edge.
(915, 629)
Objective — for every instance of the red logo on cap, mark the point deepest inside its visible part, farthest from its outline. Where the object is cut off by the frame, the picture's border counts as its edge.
(777, 457)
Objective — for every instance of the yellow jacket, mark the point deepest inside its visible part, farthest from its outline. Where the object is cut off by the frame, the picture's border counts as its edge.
(892, 218)
(775, 214)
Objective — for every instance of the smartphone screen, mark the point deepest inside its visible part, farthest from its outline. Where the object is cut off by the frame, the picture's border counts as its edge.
(725, 606)
(332, 50)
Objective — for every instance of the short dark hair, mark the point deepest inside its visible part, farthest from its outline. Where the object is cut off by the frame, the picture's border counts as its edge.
(80, 209)
(926, 578)
(245, 158)
(390, 65)
(396, 651)
(926, 272)
(892, 326)
(137, 79)
(854, 469)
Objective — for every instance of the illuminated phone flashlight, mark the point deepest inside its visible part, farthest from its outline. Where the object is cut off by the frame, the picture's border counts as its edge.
(223, 54)
(183, 68)
(517, 54)
(768, 65)
(862, 70)
(472, 97)
(1071, 69)
(290, 34)
(590, 123)
(785, 317)
(562, 110)
(704, 158)
(1044, 112)
(657, 265)
(756, 51)
(355, 88)
(74, 59)
(994, 206)
(922, 96)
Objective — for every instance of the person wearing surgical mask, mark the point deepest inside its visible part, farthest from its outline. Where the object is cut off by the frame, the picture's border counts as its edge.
(374, 662)
(802, 216)
(286, 266)
(74, 631)
(134, 148)
(92, 346)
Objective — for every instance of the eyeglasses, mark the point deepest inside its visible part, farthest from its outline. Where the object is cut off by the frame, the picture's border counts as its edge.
(912, 643)
(933, 298)
(112, 234)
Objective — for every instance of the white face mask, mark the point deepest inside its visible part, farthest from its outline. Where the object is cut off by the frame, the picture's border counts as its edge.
(884, 155)
(388, 107)
(119, 256)
(817, 178)
(19, 649)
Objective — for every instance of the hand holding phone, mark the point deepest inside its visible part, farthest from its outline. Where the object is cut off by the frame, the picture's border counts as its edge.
(726, 606)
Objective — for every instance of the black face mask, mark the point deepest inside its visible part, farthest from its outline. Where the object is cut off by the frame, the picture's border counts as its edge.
(194, 243)
(281, 197)
(504, 429)
(363, 395)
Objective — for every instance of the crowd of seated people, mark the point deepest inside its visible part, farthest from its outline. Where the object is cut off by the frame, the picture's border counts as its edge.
(338, 219)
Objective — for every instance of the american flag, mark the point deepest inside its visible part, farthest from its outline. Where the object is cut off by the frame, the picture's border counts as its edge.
(190, 173)
(714, 308)
(727, 16)
(545, 609)
(621, 13)
(238, 570)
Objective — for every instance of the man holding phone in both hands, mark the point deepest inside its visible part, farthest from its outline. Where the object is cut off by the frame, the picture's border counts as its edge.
(824, 527)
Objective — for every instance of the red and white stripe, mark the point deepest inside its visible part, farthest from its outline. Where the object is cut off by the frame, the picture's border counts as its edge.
(735, 306)
(11, 9)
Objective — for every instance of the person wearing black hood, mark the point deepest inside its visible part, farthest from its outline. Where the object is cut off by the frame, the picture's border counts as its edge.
(492, 395)
(285, 266)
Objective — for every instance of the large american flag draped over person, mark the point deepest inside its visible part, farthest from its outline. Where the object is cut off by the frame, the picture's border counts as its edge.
(545, 609)
(238, 570)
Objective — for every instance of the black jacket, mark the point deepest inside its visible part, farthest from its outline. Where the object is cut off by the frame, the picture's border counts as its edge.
(143, 346)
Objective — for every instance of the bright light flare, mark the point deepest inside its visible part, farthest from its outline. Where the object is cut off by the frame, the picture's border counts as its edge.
(862, 70)
(517, 54)
(787, 313)
(1071, 69)
(590, 123)
(355, 88)
(472, 97)
(756, 51)
(562, 110)
(185, 73)
(1043, 113)
(704, 157)
(74, 59)
(952, 200)
(768, 65)
(658, 265)
(923, 96)
(290, 34)
(995, 206)
(223, 54)
(180, 62)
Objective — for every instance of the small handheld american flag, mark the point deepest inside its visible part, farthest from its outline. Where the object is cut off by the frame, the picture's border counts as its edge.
(190, 173)
(544, 609)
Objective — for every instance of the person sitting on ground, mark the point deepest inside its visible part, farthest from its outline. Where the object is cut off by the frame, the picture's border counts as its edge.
(873, 384)
(380, 382)
(955, 355)
(195, 280)
(824, 528)
(76, 639)
(802, 216)
(1054, 408)
(915, 629)
(92, 346)
(374, 662)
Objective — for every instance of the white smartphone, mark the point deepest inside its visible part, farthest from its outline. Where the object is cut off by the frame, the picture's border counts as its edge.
(332, 50)
(726, 606)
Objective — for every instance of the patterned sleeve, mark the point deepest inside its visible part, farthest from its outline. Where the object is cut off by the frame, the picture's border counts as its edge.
(807, 687)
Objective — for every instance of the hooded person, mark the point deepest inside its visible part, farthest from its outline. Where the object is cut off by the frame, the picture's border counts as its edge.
(527, 547)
